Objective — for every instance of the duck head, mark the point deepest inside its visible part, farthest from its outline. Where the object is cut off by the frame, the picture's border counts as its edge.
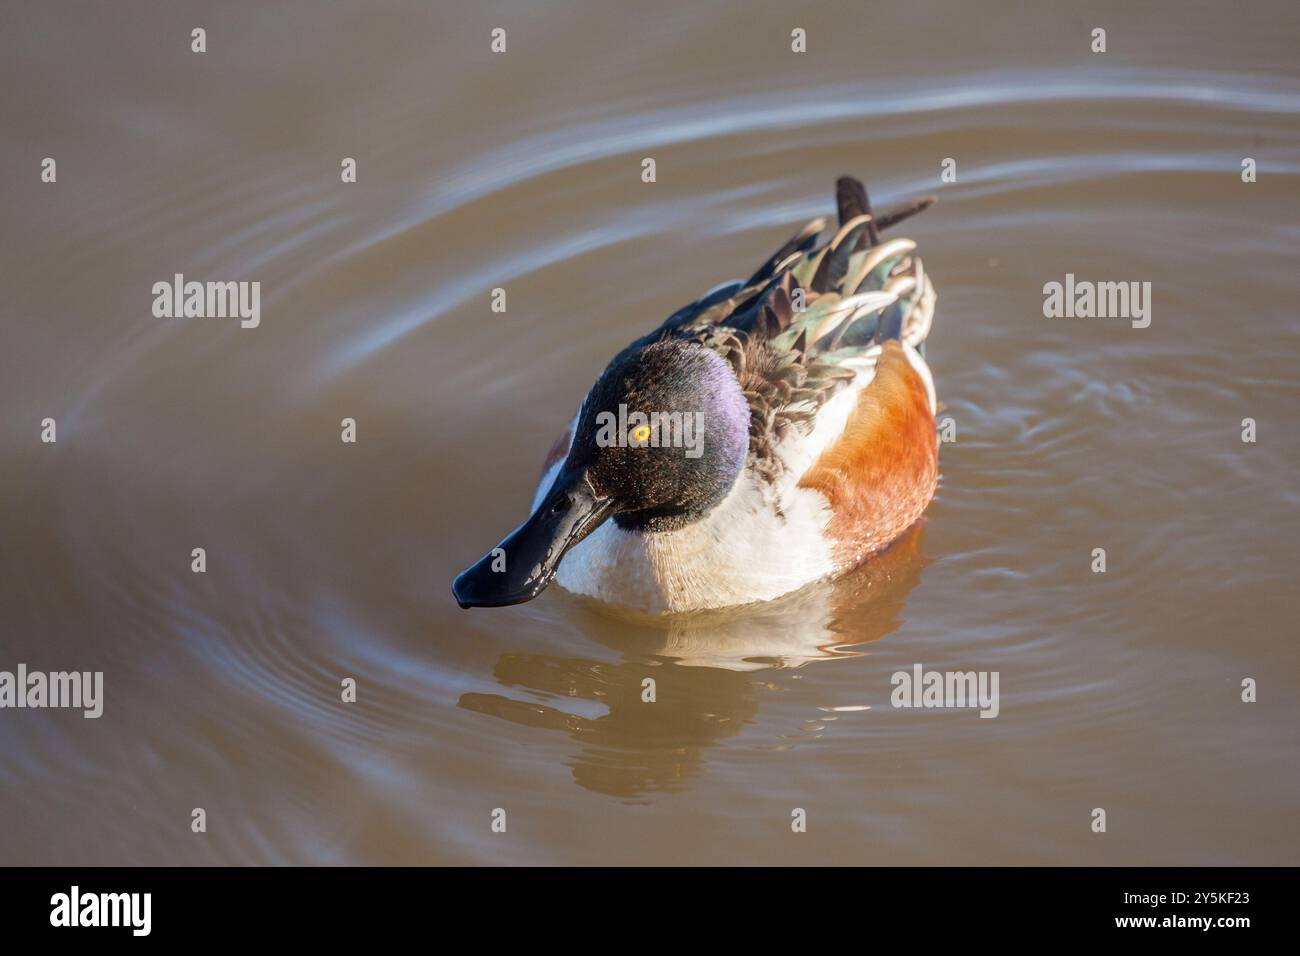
(659, 442)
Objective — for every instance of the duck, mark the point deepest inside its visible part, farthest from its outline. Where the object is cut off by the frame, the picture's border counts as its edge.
(777, 431)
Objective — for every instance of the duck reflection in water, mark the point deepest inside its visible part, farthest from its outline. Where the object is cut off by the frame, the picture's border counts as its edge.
(705, 669)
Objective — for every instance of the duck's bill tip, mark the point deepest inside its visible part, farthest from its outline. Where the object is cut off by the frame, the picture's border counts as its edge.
(472, 589)
(521, 567)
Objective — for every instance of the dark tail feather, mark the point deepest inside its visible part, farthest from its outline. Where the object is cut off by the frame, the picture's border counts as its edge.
(895, 216)
(852, 201)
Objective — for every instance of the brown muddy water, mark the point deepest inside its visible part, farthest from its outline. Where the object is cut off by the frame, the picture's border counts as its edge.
(1119, 690)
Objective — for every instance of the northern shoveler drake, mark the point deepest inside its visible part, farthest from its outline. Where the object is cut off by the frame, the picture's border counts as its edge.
(772, 433)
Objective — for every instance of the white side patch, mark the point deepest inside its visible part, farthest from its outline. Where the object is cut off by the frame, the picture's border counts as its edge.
(918, 363)
(917, 327)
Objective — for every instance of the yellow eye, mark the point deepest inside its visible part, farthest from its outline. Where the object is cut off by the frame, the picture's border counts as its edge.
(641, 434)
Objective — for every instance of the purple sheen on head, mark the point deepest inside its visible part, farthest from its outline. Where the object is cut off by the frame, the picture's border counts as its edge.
(664, 487)
(725, 410)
